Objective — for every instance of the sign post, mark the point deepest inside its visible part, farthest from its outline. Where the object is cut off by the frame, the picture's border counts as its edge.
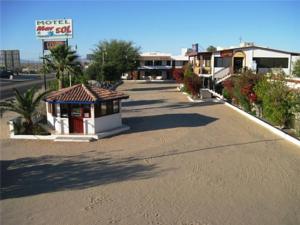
(56, 29)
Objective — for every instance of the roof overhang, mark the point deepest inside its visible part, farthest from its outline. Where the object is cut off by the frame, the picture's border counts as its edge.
(83, 102)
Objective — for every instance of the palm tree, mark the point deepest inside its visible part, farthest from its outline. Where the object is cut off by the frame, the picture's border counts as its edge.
(26, 105)
(62, 60)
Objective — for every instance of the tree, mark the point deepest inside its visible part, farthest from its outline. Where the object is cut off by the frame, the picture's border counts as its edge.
(115, 57)
(25, 105)
(93, 72)
(211, 48)
(62, 60)
(296, 69)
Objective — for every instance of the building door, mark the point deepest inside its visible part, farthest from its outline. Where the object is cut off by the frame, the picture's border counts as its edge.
(76, 119)
(237, 64)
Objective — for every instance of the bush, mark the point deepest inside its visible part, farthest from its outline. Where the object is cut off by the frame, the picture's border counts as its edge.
(296, 69)
(277, 100)
(228, 89)
(192, 82)
(240, 89)
(193, 85)
(178, 75)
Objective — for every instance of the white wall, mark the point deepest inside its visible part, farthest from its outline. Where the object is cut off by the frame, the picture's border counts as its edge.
(109, 122)
(61, 125)
(272, 54)
(89, 125)
(253, 53)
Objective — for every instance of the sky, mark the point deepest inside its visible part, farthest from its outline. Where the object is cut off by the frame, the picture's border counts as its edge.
(165, 26)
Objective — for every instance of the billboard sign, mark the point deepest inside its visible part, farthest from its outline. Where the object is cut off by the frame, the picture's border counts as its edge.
(54, 29)
(227, 53)
(52, 44)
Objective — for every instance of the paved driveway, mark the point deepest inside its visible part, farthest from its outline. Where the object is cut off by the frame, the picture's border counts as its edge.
(181, 163)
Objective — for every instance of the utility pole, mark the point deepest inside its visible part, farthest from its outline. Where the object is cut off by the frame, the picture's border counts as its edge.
(103, 61)
(44, 72)
(69, 75)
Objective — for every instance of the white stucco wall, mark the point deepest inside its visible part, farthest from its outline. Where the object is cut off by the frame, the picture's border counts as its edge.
(253, 53)
(108, 122)
(61, 125)
(89, 125)
(267, 53)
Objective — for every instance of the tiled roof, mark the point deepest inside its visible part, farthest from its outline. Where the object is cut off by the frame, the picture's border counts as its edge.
(84, 93)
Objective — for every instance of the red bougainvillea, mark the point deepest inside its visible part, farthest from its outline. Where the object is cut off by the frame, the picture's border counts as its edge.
(228, 86)
(247, 90)
(193, 84)
(178, 75)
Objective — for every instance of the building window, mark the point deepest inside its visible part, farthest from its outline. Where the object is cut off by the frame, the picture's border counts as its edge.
(49, 108)
(148, 63)
(207, 61)
(75, 110)
(52, 109)
(97, 109)
(272, 62)
(157, 63)
(168, 63)
(153, 73)
(103, 109)
(64, 110)
(222, 61)
(109, 107)
(86, 109)
(116, 106)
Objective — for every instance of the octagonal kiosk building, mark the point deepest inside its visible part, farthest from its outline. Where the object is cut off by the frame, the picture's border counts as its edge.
(85, 110)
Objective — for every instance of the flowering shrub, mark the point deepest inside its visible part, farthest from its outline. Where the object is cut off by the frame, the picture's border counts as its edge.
(241, 89)
(228, 89)
(278, 102)
(178, 75)
(193, 84)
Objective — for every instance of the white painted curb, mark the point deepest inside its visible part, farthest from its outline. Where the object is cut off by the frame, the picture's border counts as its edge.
(32, 137)
(274, 130)
(264, 124)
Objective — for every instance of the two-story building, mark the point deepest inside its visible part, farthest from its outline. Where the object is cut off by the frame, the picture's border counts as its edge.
(159, 66)
(220, 64)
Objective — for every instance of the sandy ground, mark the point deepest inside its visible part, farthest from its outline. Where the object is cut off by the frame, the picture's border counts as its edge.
(181, 163)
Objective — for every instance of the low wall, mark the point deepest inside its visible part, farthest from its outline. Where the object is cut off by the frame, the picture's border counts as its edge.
(109, 122)
(12, 134)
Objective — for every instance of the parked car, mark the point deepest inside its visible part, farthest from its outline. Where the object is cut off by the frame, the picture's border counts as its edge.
(6, 73)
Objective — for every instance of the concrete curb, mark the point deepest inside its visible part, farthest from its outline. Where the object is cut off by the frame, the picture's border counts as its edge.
(271, 128)
(274, 130)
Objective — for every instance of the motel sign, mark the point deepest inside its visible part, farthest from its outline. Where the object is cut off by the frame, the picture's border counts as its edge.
(54, 29)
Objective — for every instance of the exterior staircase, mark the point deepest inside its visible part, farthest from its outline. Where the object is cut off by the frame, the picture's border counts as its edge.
(222, 75)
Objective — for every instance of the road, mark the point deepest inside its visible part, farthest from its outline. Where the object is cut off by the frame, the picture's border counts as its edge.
(22, 83)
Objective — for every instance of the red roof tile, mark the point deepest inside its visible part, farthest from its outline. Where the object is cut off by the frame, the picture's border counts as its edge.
(84, 93)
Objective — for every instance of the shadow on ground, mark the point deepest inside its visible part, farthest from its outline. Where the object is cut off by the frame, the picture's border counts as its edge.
(161, 104)
(166, 121)
(152, 88)
(32, 176)
(142, 102)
